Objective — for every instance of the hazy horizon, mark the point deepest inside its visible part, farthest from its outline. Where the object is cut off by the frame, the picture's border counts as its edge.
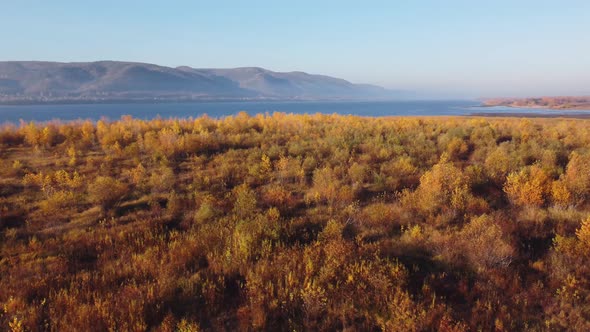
(456, 49)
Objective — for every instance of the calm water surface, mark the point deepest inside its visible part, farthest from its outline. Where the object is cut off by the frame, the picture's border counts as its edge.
(41, 113)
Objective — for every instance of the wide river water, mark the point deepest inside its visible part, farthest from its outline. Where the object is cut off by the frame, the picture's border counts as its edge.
(40, 113)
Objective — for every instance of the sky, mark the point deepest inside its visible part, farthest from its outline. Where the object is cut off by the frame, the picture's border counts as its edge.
(444, 48)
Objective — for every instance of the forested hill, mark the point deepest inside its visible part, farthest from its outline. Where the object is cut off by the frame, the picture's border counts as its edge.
(32, 82)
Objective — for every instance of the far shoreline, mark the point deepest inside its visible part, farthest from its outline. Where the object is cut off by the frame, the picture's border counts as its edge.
(556, 115)
(558, 103)
(575, 108)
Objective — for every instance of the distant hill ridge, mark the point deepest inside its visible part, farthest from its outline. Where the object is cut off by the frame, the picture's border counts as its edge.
(36, 81)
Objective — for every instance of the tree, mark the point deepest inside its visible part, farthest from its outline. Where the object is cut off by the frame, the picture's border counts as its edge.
(528, 187)
(106, 192)
(162, 180)
(560, 194)
(499, 163)
(443, 187)
(583, 235)
(577, 177)
(484, 246)
(32, 134)
(325, 186)
(245, 201)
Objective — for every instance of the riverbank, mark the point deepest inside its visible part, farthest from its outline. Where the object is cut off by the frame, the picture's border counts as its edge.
(533, 115)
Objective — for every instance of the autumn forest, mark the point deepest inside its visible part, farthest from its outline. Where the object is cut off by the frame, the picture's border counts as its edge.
(295, 223)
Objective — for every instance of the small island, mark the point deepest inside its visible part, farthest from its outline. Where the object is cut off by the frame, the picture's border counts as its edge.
(557, 103)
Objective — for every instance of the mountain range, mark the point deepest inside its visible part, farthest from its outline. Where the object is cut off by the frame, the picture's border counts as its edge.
(105, 81)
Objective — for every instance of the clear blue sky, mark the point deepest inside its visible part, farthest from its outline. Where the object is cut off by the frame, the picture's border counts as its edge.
(444, 48)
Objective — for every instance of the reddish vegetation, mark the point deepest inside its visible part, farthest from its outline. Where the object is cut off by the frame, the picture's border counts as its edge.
(296, 222)
(559, 103)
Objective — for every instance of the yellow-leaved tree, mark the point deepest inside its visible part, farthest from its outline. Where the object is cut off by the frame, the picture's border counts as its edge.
(443, 187)
(577, 177)
(106, 192)
(583, 235)
(245, 201)
(528, 187)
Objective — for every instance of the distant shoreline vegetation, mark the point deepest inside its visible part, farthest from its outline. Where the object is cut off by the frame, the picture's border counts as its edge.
(554, 103)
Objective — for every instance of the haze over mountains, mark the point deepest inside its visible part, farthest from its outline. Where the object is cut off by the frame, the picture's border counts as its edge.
(38, 82)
